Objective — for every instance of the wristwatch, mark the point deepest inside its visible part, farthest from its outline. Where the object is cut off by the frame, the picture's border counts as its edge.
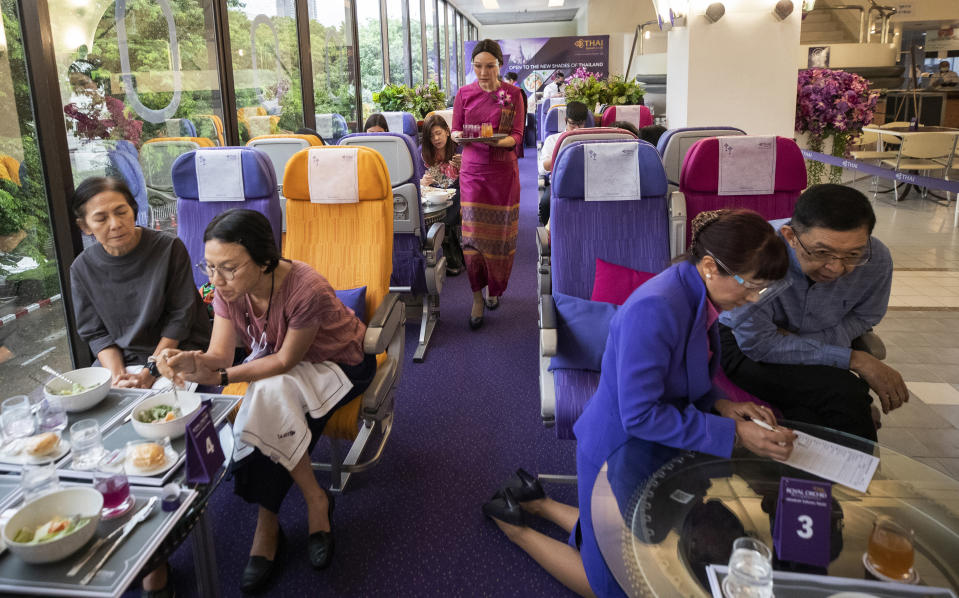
(152, 366)
(224, 378)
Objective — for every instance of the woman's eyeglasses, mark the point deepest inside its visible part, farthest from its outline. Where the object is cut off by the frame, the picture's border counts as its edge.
(228, 273)
(752, 286)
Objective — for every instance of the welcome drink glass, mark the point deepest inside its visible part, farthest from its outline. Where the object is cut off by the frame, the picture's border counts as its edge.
(86, 444)
(111, 481)
(750, 570)
(891, 551)
(17, 417)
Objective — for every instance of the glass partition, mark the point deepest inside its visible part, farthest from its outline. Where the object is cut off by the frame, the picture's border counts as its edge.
(139, 87)
(432, 44)
(453, 20)
(334, 80)
(32, 321)
(443, 47)
(266, 68)
(416, 42)
(399, 51)
(371, 52)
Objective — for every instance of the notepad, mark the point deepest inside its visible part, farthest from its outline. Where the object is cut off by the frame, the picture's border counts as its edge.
(833, 462)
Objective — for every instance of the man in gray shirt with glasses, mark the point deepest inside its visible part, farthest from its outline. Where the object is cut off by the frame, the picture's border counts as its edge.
(798, 347)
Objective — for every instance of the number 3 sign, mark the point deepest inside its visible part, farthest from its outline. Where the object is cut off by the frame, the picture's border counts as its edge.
(801, 531)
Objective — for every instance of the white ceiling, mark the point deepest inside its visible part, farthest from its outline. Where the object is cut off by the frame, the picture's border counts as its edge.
(515, 11)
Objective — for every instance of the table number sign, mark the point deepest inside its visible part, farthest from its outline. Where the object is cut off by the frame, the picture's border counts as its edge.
(204, 455)
(802, 528)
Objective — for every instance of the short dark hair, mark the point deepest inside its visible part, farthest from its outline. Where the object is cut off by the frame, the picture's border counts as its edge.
(308, 131)
(248, 228)
(95, 185)
(652, 133)
(376, 120)
(512, 76)
(426, 144)
(835, 207)
(559, 74)
(488, 45)
(577, 112)
(628, 126)
(742, 240)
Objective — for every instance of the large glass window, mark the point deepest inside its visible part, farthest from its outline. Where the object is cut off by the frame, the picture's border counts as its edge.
(32, 320)
(266, 67)
(133, 75)
(432, 45)
(416, 41)
(453, 21)
(444, 55)
(399, 51)
(371, 52)
(334, 82)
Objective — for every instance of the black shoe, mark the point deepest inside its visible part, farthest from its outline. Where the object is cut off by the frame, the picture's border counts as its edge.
(476, 323)
(505, 508)
(453, 271)
(319, 545)
(524, 486)
(260, 569)
(492, 303)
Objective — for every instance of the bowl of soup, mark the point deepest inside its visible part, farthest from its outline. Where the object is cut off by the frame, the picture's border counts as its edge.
(89, 387)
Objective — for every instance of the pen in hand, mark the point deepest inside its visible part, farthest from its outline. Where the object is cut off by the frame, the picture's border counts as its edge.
(765, 426)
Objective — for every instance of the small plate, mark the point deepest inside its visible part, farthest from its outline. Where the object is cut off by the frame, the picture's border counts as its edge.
(913, 578)
(20, 457)
(171, 459)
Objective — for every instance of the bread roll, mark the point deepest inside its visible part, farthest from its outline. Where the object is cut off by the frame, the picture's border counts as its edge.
(42, 444)
(148, 455)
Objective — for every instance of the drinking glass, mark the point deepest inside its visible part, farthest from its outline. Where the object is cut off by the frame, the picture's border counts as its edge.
(890, 550)
(51, 417)
(37, 479)
(86, 444)
(111, 481)
(17, 418)
(750, 570)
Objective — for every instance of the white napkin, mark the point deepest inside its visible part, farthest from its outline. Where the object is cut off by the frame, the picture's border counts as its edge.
(219, 175)
(747, 165)
(394, 121)
(324, 126)
(611, 171)
(630, 114)
(332, 175)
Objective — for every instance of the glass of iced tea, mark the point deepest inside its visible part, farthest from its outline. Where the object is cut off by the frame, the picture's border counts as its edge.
(891, 550)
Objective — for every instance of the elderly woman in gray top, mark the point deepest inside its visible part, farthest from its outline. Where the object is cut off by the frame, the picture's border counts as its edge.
(133, 291)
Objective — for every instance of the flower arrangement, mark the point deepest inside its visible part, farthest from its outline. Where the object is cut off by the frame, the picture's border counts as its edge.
(590, 89)
(502, 97)
(419, 100)
(92, 122)
(832, 104)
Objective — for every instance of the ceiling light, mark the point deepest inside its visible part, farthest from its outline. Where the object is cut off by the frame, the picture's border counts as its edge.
(490, 4)
(555, 3)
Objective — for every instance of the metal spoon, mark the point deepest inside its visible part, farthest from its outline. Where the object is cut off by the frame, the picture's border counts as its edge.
(52, 371)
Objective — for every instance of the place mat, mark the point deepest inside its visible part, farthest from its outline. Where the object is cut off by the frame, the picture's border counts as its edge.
(20, 578)
(118, 437)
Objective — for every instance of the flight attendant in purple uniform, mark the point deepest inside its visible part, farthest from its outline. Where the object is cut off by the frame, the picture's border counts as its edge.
(489, 178)
(656, 392)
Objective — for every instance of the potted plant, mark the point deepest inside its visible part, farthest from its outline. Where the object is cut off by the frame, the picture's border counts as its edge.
(831, 106)
(418, 101)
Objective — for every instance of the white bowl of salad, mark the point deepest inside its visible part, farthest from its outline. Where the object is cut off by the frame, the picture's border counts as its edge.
(90, 386)
(165, 414)
(55, 525)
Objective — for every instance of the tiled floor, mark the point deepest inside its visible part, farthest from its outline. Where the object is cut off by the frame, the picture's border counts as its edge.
(921, 329)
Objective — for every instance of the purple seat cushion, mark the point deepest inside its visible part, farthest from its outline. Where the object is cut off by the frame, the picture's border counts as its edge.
(699, 182)
(259, 188)
(574, 388)
(582, 327)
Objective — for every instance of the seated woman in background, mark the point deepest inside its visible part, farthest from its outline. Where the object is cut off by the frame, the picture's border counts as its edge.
(302, 341)
(376, 123)
(656, 387)
(443, 171)
(133, 291)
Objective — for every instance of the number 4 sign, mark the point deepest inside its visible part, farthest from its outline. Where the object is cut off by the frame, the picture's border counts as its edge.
(204, 455)
(801, 531)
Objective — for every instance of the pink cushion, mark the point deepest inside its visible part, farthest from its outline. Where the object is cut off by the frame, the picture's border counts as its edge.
(614, 283)
(645, 116)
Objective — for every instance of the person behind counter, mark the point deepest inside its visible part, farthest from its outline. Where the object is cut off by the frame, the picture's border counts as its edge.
(133, 291)
(656, 386)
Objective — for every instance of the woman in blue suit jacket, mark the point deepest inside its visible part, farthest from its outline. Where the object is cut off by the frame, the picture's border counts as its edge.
(656, 387)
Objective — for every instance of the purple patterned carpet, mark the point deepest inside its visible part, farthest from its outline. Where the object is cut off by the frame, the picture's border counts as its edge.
(465, 419)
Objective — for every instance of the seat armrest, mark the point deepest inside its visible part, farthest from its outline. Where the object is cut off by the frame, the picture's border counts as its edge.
(677, 224)
(870, 343)
(542, 241)
(434, 240)
(388, 317)
(547, 326)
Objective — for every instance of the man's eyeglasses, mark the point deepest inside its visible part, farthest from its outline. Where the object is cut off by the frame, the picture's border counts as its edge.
(748, 284)
(824, 255)
(228, 273)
